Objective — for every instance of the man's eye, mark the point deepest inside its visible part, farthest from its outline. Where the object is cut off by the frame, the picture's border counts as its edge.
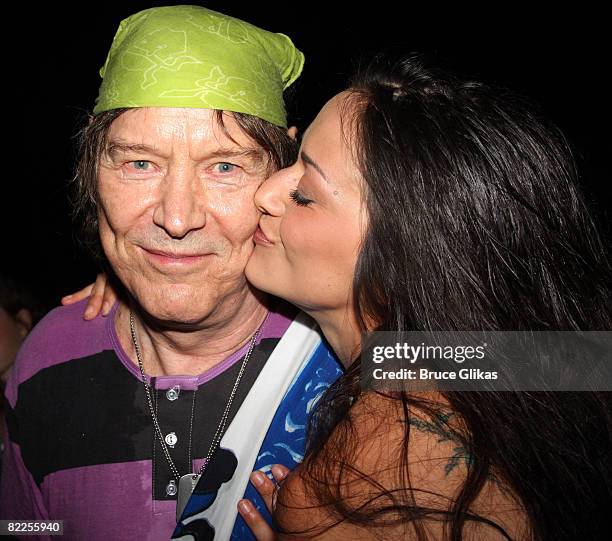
(141, 165)
(224, 167)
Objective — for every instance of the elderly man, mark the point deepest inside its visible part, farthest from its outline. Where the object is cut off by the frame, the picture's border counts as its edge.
(194, 379)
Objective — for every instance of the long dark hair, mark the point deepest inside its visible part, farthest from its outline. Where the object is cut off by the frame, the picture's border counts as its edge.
(475, 222)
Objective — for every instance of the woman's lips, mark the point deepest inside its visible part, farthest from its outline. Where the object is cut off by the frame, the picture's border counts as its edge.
(260, 238)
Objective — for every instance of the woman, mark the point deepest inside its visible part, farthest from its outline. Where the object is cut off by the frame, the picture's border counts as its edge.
(423, 202)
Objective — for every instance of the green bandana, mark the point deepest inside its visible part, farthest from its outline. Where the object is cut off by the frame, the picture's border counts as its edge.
(190, 56)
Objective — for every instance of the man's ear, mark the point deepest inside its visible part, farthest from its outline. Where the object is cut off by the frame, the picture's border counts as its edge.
(24, 320)
(91, 117)
(292, 132)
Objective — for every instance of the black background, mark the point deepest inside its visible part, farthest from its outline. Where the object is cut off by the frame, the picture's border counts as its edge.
(557, 58)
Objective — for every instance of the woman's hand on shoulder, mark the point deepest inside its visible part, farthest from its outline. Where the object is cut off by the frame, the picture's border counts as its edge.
(101, 297)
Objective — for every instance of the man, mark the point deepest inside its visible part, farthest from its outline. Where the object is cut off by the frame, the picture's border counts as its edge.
(194, 378)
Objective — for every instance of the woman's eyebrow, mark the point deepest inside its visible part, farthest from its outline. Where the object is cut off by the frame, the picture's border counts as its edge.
(309, 161)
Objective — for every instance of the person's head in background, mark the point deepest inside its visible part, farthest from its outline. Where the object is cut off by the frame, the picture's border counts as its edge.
(19, 312)
(422, 201)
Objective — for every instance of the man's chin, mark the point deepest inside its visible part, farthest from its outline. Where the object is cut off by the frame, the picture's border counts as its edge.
(174, 305)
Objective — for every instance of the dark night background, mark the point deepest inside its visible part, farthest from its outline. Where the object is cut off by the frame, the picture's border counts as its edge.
(557, 59)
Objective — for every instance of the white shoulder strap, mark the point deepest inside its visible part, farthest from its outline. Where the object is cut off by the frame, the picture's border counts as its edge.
(247, 431)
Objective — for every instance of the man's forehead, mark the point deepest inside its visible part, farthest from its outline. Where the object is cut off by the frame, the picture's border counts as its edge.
(159, 127)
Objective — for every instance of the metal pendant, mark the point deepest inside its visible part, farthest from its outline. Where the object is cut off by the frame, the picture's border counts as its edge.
(186, 485)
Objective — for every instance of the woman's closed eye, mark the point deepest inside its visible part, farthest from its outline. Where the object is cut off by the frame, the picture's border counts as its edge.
(299, 199)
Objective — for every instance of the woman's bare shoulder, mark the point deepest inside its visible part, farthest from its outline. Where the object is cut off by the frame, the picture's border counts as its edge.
(367, 467)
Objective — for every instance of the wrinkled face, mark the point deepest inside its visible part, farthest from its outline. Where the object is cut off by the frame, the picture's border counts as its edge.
(308, 239)
(176, 212)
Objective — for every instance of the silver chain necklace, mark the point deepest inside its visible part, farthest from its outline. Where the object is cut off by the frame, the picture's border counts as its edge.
(187, 483)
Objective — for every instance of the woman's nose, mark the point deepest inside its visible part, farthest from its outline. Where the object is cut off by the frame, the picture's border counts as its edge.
(272, 196)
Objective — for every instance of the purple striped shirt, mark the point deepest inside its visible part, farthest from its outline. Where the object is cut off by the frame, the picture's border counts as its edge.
(97, 500)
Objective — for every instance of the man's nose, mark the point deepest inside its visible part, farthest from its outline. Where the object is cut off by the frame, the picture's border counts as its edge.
(273, 194)
(182, 203)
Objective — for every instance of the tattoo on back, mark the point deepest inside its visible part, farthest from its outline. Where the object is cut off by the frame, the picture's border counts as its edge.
(438, 425)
